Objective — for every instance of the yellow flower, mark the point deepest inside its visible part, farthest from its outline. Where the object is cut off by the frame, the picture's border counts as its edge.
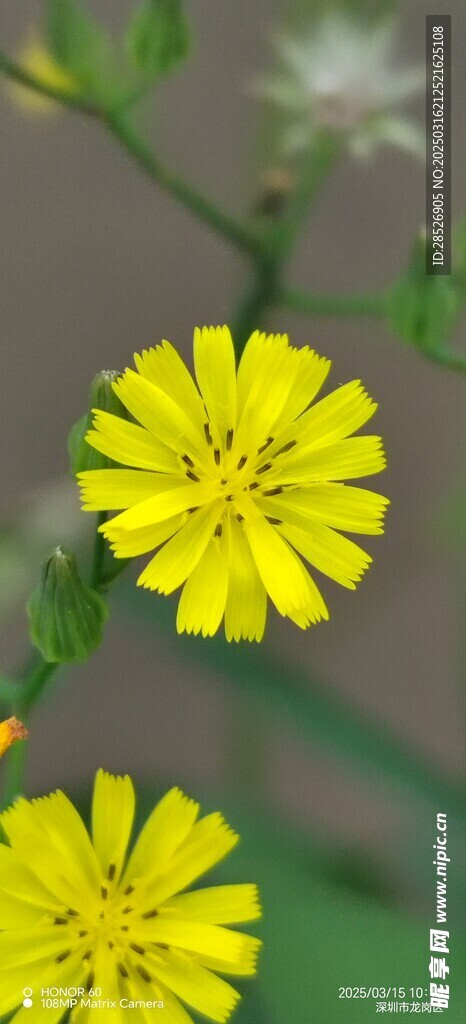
(77, 913)
(236, 478)
(10, 732)
(35, 59)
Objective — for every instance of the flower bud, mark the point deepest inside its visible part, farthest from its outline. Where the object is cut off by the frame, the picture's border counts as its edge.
(10, 732)
(66, 617)
(423, 308)
(101, 396)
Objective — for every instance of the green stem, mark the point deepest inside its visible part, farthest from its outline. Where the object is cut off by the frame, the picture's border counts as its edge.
(14, 773)
(333, 305)
(219, 221)
(96, 575)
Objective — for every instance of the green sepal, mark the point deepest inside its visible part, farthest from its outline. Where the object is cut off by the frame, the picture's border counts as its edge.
(158, 37)
(101, 396)
(423, 309)
(66, 617)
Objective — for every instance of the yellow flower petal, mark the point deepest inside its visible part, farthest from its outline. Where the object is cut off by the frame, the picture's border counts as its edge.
(165, 830)
(164, 368)
(54, 830)
(197, 937)
(38, 974)
(202, 602)
(347, 459)
(208, 842)
(179, 557)
(112, 821)
(311, 372)
(341, 506)
(173, 498)
(328, 551)
(159, 414)
(214, 361)
(130, 444)
(196, 986)
(281, 575)
(246, 605)
(219, 904)
(335, 416)
(269, 390)
(122, 488)
(129, 543)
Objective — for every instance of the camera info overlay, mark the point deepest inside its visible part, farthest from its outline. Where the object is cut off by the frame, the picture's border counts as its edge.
(438, 144)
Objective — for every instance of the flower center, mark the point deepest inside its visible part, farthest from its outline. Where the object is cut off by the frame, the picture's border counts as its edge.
(235, 472)
(113, 918)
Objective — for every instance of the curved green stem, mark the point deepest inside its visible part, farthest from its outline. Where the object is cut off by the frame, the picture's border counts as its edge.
(119, 126)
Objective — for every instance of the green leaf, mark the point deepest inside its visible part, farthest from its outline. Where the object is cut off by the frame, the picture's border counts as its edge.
(81, 46)
(158, 37)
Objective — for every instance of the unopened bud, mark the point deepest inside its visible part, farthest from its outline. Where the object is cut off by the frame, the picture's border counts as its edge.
(10, 732)
(66, 617)
(101, 396)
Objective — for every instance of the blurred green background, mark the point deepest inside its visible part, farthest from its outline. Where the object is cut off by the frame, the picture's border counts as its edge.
(332, 751)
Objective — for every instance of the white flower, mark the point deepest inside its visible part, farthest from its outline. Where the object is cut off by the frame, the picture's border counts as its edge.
(341, 76)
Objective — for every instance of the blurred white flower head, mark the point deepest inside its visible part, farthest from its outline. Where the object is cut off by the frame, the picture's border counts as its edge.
(341, 76)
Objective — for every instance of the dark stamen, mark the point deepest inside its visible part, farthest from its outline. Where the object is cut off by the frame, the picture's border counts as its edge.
(264, 446)
(90, 981)
(111, 945)
(82, 934)
(187, 460)
(60, 920)
(62, 956)
(242, 462)
(229, 439)
(150, 913)
(123, 971)
(218, 530)
(87, 956)
(137, 949)
(192, 476)
(125, 928)
(144, 974)
(190, 511)
(228, 497)
(102, 916)
(208, 435)
(286, 448)
(274, 522)
(162, 945)
(104, 891)
(217, 456)
(239, 517)
(264, 468)
(111, 872)
(223, 482)
(127, 910)
(130, 888)
(273, 490)
(252, 487)
(72, 913)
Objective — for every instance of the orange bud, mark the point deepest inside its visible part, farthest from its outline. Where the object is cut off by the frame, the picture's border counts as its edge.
(11, 731)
